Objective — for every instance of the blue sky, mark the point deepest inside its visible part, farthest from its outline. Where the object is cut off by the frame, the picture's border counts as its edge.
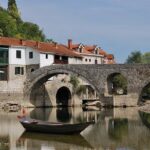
(118, 26)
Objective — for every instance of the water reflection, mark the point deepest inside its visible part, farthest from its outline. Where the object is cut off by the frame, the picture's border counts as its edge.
(4, 143)
(63, 114)
(115, 129)
(145, 117)
(118, 128)
(40, 114)
(68, 141)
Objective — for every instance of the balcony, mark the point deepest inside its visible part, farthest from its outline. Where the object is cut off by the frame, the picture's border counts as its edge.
(56, 61)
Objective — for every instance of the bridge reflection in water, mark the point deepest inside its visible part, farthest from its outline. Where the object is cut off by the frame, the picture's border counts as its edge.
(114, 129)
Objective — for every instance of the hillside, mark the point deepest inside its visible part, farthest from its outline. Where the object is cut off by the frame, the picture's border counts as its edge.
(11, 25)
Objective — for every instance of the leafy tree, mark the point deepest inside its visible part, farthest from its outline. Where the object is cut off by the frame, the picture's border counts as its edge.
(11, 25)
(75, 82)
(13, 10)
(77, 88)
(30, 31)
(1, 32)
(134, 57)
(7, 24)
(119, 81)
(50, 41)
(146, 58)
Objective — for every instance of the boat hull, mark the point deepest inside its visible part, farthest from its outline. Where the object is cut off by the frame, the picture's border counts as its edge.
(54, 128)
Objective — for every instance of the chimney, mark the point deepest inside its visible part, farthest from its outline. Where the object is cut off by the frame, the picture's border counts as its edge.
(56, 45)
(22, 42)
(70, 43)
(37, 44)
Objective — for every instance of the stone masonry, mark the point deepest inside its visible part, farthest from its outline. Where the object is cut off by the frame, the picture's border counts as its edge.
(137, 75)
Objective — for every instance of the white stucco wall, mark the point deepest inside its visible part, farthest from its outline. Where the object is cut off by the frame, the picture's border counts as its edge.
(35, 59)
(91, 59)
(24, 60)
(75, 61)
(44, 61)
(12, 56)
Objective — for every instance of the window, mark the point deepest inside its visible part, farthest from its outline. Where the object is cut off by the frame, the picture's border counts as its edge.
(86, 59)
(18, 54)
(3, 73)
(19, 70)
(57, 57)
(3, 55)
(46, 56)
(96, 51)
(30, 55)
(89, 60)
(96, 61)
(32, 69)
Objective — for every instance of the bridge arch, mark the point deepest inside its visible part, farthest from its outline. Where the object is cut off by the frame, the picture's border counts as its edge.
(111, 82)
(137, 75)
(63, 96)
(40, 76)
(145, 85)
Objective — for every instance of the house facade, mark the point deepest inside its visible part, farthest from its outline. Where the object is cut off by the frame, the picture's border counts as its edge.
(18, 58)
(91, 54)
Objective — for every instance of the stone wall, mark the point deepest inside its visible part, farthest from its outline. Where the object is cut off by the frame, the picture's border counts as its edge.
(137, 75)
(45, 95)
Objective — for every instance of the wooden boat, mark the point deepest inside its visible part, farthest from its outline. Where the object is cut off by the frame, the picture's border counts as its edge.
(33, 125)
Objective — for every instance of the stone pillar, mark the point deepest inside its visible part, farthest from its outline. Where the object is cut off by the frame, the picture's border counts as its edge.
(87, 92)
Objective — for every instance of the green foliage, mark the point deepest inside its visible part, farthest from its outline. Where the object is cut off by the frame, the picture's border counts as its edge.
(13, 10)
(138, 57)
(81, 89)
(11, 25)
(75, 82)
(50, 41)
(134, 57)
(117, 128)
(146, 91)
(1, 32)
(8, 25)
(28, 30)
(119, 81)
(77, 88)
(146, 58)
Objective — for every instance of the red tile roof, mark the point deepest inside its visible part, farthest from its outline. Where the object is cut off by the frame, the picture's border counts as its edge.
(40, 46)
(110, 56)
(87, 49)
(102, 52)
(90, 48)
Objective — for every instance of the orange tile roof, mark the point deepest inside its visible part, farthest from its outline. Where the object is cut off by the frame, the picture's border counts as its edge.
(102, 52)
(84, 50)
(110, 56)
(75, 46)
(90, 48)
(40, 46)
(87, 49)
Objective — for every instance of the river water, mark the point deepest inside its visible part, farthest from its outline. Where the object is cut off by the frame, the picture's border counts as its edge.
(115, 129)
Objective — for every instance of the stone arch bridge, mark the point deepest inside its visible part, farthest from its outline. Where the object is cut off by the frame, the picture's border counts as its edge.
(137, 75)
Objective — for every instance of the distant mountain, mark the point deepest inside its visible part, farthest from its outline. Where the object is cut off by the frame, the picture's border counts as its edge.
(11, 24)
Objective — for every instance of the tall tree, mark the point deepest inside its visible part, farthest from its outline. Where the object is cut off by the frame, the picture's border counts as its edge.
(134, 57)
(13, 10)
(7, 24)
(146, 58)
